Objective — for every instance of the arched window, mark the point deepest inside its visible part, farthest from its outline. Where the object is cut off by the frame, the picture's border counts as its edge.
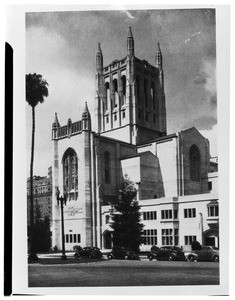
(107, 96)
(123, 80)
(115, 91)
(70, 173)
(194, 163)
(153, 95)
(107, 167)
(146, 92)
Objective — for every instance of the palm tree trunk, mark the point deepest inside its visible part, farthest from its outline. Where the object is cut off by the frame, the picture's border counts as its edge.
(32, 254)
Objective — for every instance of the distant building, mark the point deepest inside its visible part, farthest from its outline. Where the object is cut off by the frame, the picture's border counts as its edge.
(172, 172)
(42, 193)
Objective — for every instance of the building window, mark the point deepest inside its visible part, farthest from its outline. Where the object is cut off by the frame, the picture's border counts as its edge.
(107, 95)
(166, 214)
(176, 236)
(72, 238)
(107, 119)
(188, 239)
(139, 114)
(154, 119)
(190, 213)
(209, 185)
(123, 82)
(149, 215)
(107, 167)
(167, 237)
(115, 117)
(213, 210)
(123, 114)
(150, 237)
(115, 91)
(194, 163)
(70, 173)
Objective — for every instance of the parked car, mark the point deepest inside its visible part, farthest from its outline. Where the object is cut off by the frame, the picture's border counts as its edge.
(207, 253)
(91, 252)
(122, 253)
(167, 253)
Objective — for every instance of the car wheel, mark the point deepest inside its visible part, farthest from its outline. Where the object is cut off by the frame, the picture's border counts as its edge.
(150, 258)
(170, 258)
(216, 258)
(191, 258)
(109, 256)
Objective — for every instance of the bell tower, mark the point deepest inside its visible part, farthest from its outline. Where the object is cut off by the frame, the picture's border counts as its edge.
(130, 99)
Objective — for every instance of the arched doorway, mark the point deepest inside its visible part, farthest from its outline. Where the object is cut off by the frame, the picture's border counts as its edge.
(107, 239)
(211, 237)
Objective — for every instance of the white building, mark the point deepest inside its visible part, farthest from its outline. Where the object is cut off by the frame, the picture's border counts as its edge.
(176, 189)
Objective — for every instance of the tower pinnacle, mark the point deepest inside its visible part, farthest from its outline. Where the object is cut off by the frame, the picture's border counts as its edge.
(86, 113)
(56, 122)
(99, 59)
(158, 59)
(130, 44)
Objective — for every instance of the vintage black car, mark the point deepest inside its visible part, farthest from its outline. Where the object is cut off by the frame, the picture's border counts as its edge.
(207, 253)
(91, 252)
(167, 253)
(122, 253)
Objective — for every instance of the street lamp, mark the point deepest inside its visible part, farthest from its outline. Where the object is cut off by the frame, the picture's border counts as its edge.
(62, 201)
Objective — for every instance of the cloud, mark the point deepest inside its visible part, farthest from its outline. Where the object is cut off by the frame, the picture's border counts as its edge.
(204, 122)
(207, 78)
(200, 79)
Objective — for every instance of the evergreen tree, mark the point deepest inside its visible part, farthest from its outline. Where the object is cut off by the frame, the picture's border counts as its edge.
(127, 229)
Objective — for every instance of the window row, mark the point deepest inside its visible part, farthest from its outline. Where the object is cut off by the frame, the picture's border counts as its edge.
(150, 237)
(169, 214)
(115, 115)
(190, 213)
(72, 238)
(170, 237)
(188, 239)
(149, 215)
(114, 92)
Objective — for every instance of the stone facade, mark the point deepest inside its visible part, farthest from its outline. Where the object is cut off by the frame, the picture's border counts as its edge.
(129, 138)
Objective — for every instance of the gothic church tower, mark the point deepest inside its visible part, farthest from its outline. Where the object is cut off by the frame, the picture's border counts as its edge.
(130, 98)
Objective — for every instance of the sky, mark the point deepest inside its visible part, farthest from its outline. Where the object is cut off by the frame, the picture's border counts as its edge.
(62, 46)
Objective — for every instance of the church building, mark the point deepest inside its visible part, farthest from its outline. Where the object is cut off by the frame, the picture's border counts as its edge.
(172, 172)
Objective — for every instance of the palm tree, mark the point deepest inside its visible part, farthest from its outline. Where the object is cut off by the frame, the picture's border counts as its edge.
(36, 90)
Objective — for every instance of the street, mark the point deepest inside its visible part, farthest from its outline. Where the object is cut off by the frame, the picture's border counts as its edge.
(123, 273)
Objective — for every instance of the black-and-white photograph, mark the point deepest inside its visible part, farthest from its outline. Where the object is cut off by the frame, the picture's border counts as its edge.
(122, 167)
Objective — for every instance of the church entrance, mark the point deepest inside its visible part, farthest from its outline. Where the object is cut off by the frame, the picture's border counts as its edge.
(107, 240)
